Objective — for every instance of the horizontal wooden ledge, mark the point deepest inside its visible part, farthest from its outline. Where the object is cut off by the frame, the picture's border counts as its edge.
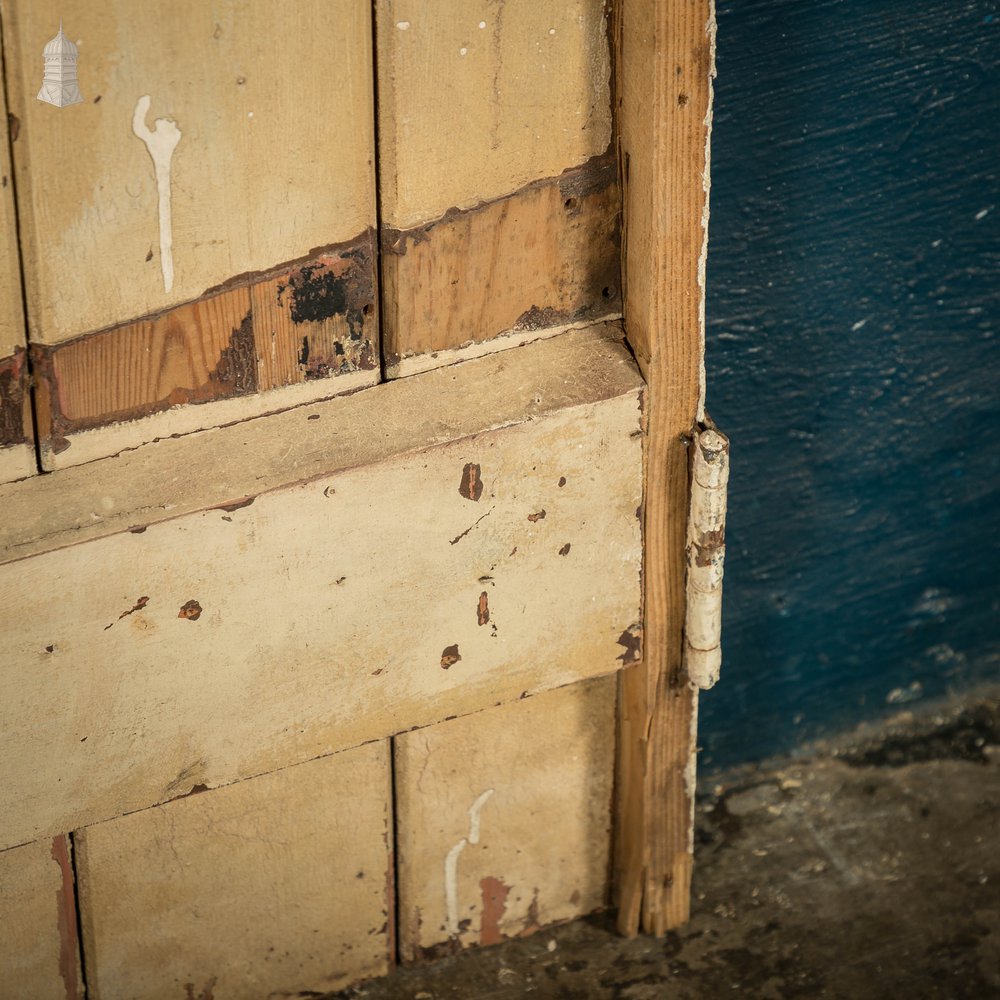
(231, 466)
(300, 586)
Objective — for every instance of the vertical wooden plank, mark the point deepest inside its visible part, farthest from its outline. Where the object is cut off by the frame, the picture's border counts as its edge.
(498, 190)
(279, 885)
(17, 454)
(264, 175)
(504, 819)
(664, 65)
(39, 950)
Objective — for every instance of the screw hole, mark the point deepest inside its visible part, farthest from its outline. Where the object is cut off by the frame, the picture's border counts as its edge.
(569, 203)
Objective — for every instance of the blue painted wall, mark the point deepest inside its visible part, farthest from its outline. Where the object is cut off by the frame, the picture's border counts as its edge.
(853, 302)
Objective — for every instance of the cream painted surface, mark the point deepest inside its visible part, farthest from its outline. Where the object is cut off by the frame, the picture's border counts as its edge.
(477, 99)
(414, 364)
(30, 937)
(11, 308)
(326, 610)
(543, 832)
(90, 445)
(271, 887)
(276, 114)
(171, 478)
(17, 461)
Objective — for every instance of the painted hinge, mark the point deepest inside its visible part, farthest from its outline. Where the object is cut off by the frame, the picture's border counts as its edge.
(706, 554)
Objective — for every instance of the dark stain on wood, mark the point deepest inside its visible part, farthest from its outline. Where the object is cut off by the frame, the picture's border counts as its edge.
(14, 419)
(206, 993)
(494, 896)
(483, 609)
(631, 639)
(562, 481)
(13, 126)
(236, 372)
(471, 485)
(191, 610)
(564, 551)
(69, 943)
(449, 656)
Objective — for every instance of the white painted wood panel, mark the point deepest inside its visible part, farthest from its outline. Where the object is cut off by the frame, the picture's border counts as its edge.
(225, 643)
(271, 887)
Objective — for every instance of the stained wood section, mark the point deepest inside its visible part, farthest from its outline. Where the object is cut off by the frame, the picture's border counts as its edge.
(39, 950)
(317, 319)
(516, 268)
(278, 886)
(17, 458)
(664, 63)
(266, 168)
(355, 587)
(500, 216)
(504, 819)
(268, 342)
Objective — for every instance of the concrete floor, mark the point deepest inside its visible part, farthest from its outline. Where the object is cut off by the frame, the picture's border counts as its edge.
(870, 870)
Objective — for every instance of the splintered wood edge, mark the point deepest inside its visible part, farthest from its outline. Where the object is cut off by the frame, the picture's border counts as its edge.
(229, 467)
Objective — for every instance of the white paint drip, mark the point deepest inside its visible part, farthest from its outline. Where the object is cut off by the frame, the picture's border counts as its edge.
(451, 862)
(403, 25)
(160, 142)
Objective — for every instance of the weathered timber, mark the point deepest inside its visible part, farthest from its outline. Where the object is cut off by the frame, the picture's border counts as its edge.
(664, 65)
(17, 455)
(266, 342)
(256, 178)
(503, 273)
(277, 886)
(498, 201)
(504, 819)
(196, 162)
(39, 950)
(213, 607)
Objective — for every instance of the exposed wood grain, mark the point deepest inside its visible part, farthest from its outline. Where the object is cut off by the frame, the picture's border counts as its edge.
(17, 457)
(504, 819)
(317, 319)
(143, 663)
(267, 342)
(39, 950)
(192, 354)
(274, 157)
(143, 487)
(664, 64)
(516, 268)
(478, 99)
(276, 886)
(498, 200)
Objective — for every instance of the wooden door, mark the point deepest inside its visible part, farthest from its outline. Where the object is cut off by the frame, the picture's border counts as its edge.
(351, 476)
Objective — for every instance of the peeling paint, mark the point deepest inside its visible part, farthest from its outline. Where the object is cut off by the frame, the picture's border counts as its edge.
(138, 606)
(483, 610)
(69, 944)
(494, 894)
(449, 657)
(191, 610)
(471, 486)
(540, 516)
